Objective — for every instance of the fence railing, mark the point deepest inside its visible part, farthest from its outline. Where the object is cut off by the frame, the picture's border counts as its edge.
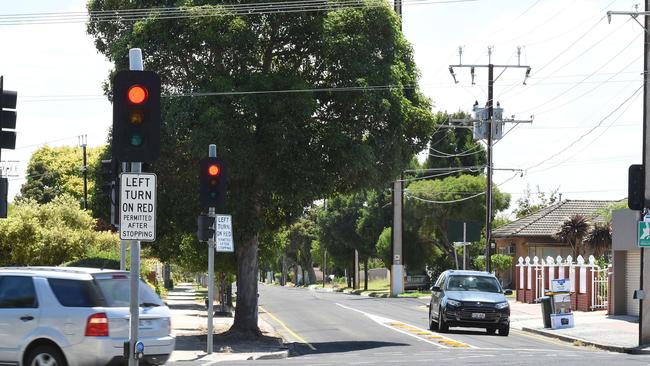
(589, 281)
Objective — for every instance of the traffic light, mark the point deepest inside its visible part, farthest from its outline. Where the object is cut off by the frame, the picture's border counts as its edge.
(4, 203)
(107, 176)
(205, 226)
(136, 116)
(636, 187)
(212, 178)
(8, 100)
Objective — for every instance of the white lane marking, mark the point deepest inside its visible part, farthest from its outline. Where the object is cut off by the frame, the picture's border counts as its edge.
(384, 322)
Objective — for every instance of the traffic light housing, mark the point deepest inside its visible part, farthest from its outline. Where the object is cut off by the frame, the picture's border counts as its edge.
(109, 173)
(636, 187)
(136, 116)
(212, 179)
(4, 203)
(8, 101)
(205, 226)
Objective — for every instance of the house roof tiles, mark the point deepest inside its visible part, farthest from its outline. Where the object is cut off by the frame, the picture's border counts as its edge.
(547, 221)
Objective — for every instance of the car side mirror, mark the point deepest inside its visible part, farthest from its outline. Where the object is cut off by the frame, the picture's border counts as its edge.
(507, 292)
(435, 289)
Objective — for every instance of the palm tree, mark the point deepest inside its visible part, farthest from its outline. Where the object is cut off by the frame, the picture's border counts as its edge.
(600, 238)
(573, 231)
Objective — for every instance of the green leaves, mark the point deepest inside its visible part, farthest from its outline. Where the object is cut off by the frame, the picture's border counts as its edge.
(50, 234)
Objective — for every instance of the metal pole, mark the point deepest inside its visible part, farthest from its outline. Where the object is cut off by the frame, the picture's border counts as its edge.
(488, 190)
(356, 269)
(464, 245)
(85, 170)
(644, 306)
(123, 243)
(135, 62)
(324, 259)
(212, 152)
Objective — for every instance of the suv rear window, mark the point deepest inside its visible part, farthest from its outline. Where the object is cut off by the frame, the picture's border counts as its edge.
(75, 293)
(116, 292)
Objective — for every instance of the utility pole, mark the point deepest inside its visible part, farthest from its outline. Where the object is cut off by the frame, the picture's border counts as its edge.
(644, 306)
(397, 4)
(83, 140)
(397, 268)
(490, 130)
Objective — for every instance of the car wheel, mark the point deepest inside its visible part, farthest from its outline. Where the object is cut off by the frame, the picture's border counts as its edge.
(45, 356)
(504, 331)
(432, 325)
(491, 330)
(443, 327)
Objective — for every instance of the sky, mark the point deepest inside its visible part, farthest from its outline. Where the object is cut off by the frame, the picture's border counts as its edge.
(584, 94)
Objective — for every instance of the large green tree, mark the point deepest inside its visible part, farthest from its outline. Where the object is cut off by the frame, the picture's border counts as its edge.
(55, 171)
(432, 203)
(287, 149)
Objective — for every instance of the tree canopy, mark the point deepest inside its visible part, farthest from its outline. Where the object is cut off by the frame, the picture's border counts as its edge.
(343, 121)
(50, 234)
(56, 171)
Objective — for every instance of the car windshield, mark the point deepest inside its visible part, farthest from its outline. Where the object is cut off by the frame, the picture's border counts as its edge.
(116, 293)
(473, 283)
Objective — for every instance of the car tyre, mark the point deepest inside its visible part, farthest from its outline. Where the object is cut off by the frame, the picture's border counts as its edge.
(491, 331)
(504, 331)
(45, 355)
(443, 327)
(432, 325)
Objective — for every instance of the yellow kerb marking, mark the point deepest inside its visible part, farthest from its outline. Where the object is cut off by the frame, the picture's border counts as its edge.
(293, 334)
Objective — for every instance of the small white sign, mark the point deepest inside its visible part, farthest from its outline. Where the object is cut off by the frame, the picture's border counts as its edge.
(561, 285)
(138, 206)
(223, 231)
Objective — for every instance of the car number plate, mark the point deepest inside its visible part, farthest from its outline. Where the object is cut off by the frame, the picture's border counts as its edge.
(478, 315)
(146, 323)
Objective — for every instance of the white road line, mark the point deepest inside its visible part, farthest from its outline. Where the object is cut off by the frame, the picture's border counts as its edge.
(384, 322)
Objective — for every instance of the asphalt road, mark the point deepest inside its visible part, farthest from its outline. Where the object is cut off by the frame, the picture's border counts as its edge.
(337, 329)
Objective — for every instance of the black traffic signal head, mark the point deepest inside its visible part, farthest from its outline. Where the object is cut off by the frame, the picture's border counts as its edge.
(212, 181)
(636, 187)
(4, 203)
(205, 226)
(8, 101)
(136, 116)
(109, 174)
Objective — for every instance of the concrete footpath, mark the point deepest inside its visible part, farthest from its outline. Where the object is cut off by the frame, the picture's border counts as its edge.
(190, 324)
(597, 329)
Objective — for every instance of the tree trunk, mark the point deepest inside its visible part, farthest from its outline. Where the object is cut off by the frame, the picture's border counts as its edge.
(308, 263)
(365, 274)
(246, 311)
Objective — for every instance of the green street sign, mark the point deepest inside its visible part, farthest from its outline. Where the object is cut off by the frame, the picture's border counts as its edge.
(472, 231)
(644, 234)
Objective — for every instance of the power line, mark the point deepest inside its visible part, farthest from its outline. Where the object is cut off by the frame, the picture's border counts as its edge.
(586, 133)
(127, 15)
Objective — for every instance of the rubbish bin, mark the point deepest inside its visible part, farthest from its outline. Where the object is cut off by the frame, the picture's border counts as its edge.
(547, 309)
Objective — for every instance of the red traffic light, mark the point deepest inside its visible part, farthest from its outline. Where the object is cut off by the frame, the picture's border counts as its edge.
(137, 94)
(214, 170)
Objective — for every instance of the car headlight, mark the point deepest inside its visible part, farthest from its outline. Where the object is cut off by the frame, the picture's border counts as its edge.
(451, 302)
(502, 305)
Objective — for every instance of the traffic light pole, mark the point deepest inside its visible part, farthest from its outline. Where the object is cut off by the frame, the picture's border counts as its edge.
(135, 61)
(212, 152)
(644, 303)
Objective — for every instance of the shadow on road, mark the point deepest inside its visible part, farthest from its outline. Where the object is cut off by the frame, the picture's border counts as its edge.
(186, 306)
(198, 343)
(301, 349)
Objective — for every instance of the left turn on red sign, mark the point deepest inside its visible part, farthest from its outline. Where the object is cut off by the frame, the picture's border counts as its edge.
(138, 206)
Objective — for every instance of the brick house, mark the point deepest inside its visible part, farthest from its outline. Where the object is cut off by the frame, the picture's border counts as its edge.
(534, 235)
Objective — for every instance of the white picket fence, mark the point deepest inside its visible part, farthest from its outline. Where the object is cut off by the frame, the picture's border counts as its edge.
(588, 281)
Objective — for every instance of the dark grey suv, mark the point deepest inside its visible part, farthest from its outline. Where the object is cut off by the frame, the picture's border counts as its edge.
(469, 299)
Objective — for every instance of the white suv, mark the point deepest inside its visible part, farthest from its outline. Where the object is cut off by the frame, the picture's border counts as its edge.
(60, 316)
